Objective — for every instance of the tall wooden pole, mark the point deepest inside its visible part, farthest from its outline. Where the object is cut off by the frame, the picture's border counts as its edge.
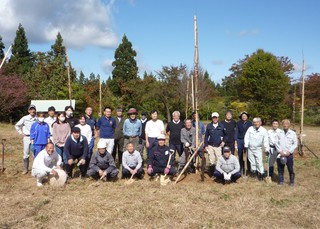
(196, 76)
(187, 99)
(100, 98)
(69, 79)
(294, 107)
(302, 105)
(192, 92)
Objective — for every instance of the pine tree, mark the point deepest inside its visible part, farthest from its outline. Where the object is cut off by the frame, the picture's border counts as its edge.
(125, 72)
(21, 59)
(1, 49)
(57, 48)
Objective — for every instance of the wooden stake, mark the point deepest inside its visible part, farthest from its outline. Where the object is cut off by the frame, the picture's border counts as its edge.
(69, 79)
(302, 109)
(196, 77)
(187, 98)
(100, 98)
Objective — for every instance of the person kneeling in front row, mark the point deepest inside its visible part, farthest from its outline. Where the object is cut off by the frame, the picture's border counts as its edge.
(132, 162)
(45, 163)
(102, 164)
(228, 167)
(158, 159)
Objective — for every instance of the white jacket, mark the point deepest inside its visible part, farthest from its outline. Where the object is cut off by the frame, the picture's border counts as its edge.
(256, 139)
(46, 162)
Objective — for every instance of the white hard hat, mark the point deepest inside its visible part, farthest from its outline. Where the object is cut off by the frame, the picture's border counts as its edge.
(161, 136)
(101, 145)
(215, 114)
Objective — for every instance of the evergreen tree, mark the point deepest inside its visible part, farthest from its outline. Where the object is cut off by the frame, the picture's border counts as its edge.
(125, 72)
(21, 59)
(1, 49)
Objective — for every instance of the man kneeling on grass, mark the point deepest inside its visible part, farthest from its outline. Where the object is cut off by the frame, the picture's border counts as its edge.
(158, 159)
(228, 167)
(102, 164)
(132, 162)
(45, 163)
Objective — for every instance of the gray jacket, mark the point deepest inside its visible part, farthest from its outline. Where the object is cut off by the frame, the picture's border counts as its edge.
(102, 162)
(230, 165)
(188, 136)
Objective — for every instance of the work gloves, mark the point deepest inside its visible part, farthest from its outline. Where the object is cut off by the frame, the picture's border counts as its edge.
(150, 170)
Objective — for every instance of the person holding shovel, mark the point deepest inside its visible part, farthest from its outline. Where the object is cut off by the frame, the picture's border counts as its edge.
(102, 164)
(272, 154)
(131, 163)
(159, 159)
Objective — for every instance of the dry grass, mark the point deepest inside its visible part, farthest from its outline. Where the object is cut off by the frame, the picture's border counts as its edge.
(146, 204)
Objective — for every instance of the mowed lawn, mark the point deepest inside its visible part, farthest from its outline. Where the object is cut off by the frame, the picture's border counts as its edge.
(145, 204)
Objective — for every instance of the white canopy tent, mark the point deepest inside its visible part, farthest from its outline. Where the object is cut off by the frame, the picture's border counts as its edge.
(43, 105)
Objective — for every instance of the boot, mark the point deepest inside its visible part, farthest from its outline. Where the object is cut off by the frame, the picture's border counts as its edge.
(271, 168)
(281, 179)
(211, 170)
(39, 182)
(291, 180)
(260, 176)
(25, 165)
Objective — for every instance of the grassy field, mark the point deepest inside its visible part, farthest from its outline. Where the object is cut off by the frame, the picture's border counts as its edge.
(145, 204)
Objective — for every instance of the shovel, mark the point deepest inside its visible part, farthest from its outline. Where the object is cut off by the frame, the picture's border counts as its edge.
(163, 180)
(3, 168)
(268, 178)
(130, 181)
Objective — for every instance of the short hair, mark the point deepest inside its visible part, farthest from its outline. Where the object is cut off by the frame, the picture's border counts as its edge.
(82, 116)
(130, 143)
(153, 111)
(176, 112)
(107, 108)
(187, 120)
(275, 120)
(285, 120)
(49, 143)
(40, 114)
(256, 119)
(68, 107)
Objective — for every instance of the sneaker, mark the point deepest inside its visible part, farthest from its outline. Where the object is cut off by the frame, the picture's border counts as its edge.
(291, 185)
(25, 172)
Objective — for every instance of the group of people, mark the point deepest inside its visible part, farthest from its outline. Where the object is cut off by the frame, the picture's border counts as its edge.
(61, 141)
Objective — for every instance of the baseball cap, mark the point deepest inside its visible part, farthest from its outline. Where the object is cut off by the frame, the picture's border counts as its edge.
(161, 137)
(226, 149)
(215, 114)
(32, 107)
(132, 111)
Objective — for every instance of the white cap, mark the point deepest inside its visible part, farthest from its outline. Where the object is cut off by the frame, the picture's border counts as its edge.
(161, 136)
(101, 145)
(215, 114)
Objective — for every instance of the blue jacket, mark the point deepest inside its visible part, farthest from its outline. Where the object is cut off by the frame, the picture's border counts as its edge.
(76, 148)
(159, 157)
(241, 129)
(214, 136)
(40, 133)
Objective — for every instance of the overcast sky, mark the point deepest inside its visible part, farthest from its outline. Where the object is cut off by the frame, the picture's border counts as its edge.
(162, 31)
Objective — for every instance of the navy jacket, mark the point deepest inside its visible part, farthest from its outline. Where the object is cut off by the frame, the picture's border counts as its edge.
(76, 148)
(159, 157)
(214, 136)
(241, 129)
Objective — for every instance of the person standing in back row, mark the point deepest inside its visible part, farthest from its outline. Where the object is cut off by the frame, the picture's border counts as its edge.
(142, 137)
(70, 116)
(23, 127)
(241, 129)
(174, 131)
(230, 129)
(154, 128)
(91, 121)
(118, 136)
(106, 126)
(51, 119)
(132, 129)
(214, 140)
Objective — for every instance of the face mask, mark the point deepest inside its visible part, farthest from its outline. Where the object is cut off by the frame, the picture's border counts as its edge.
(62, 119)
(41, 119)
(69, 113)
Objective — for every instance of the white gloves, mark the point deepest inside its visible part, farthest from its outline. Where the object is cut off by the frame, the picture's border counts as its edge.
(186, 144)
(227, 176)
